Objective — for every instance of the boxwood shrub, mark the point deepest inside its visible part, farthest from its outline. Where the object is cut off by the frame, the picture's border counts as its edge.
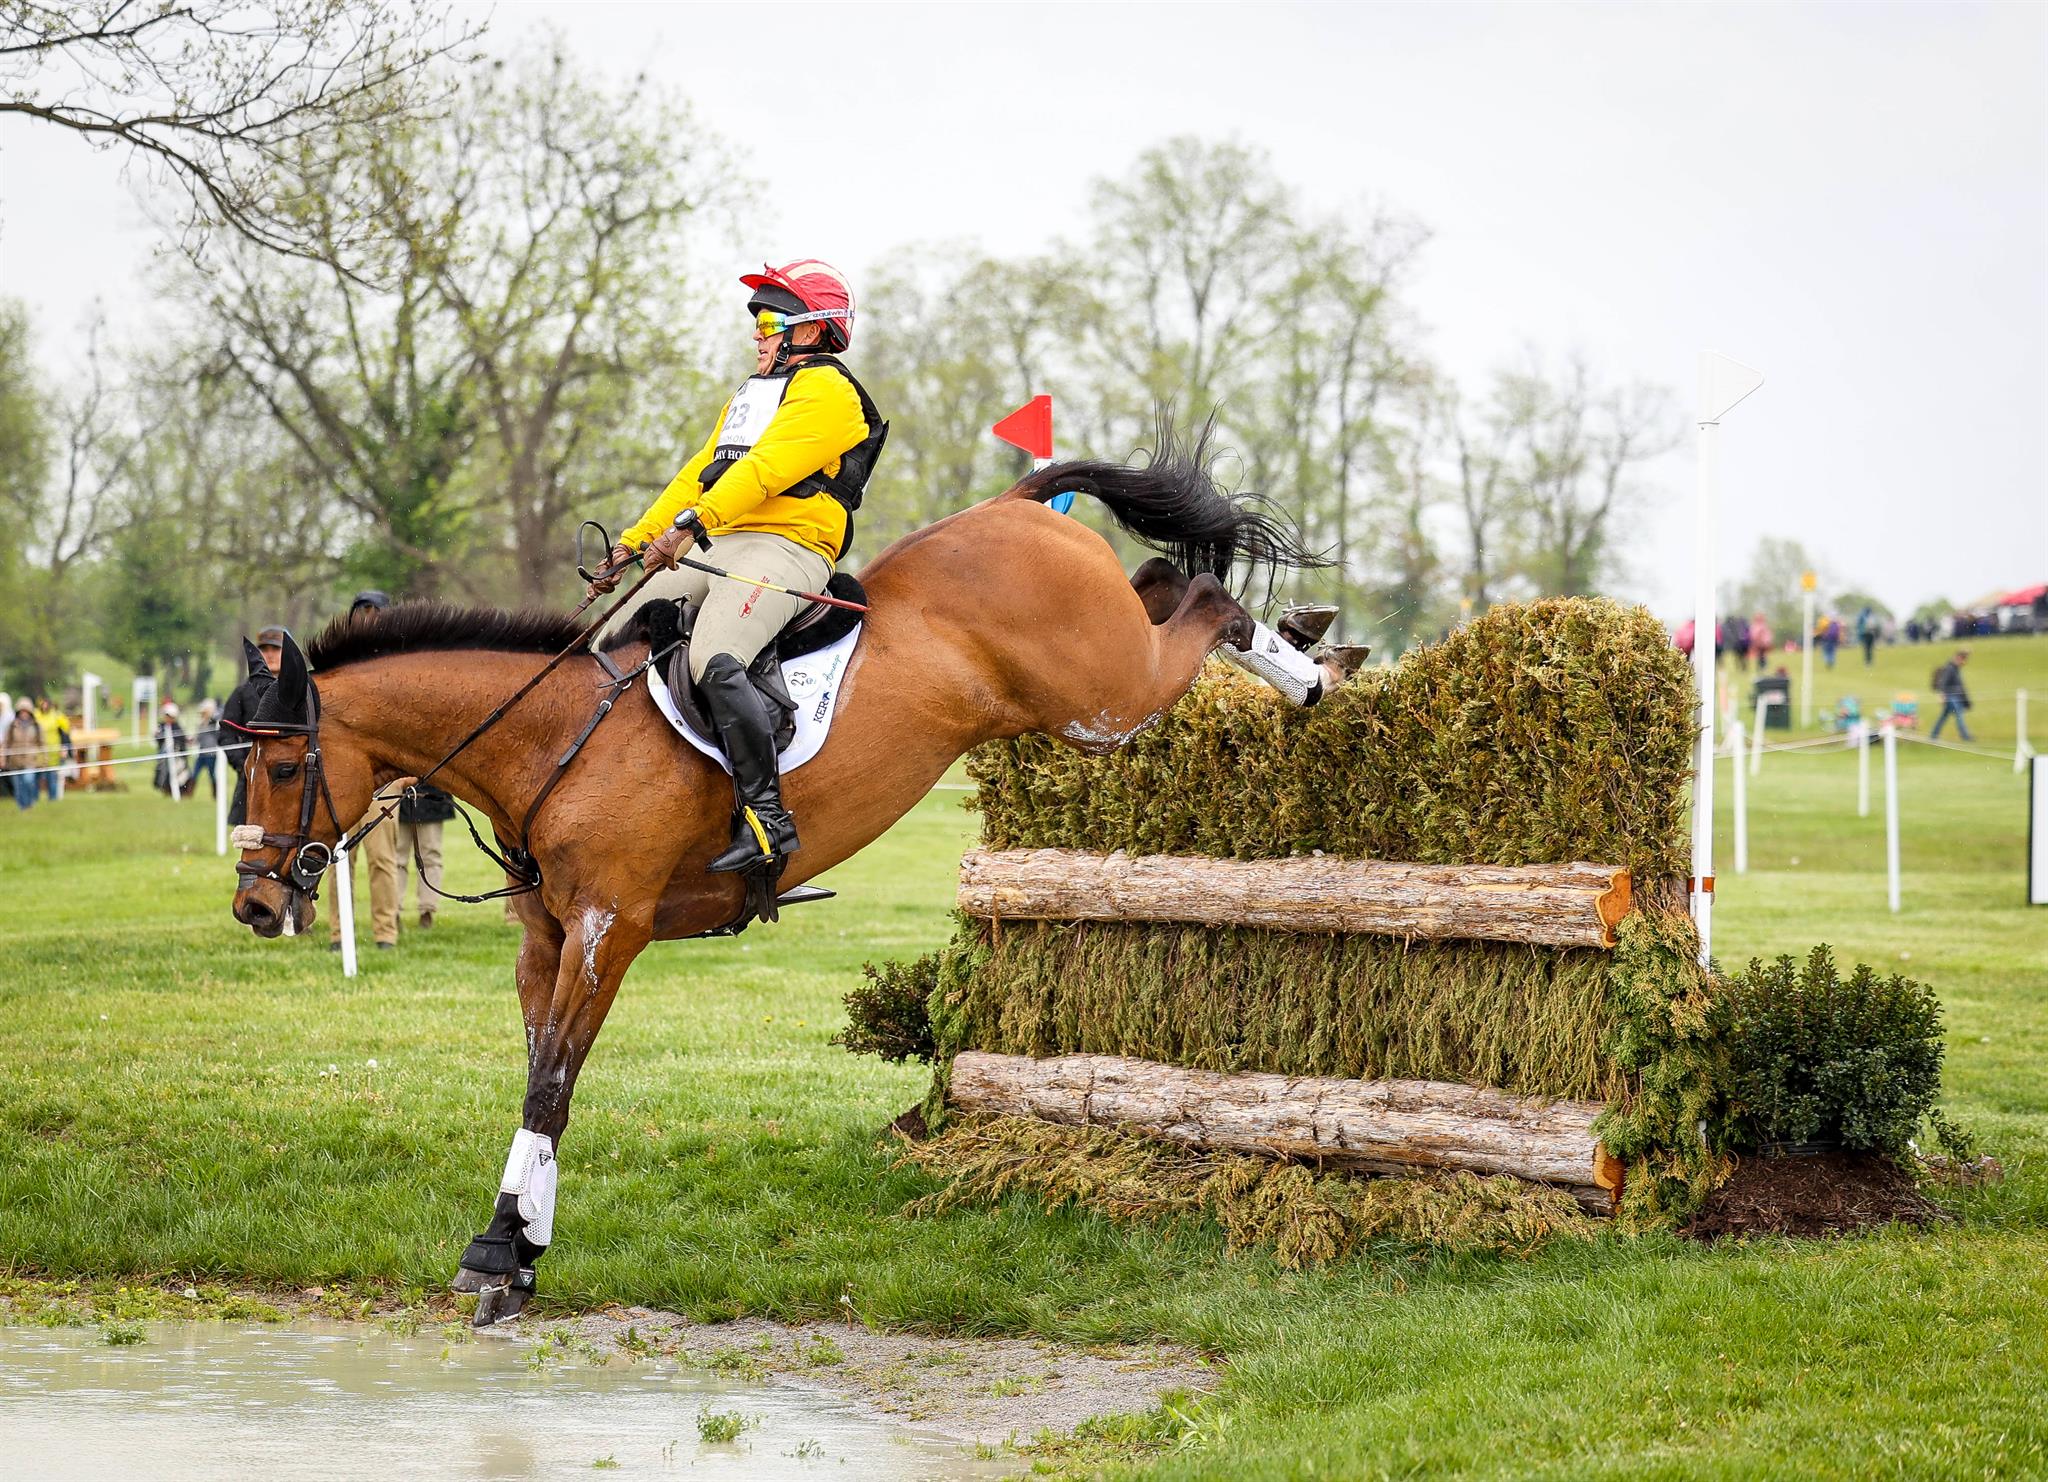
(1816, 1057)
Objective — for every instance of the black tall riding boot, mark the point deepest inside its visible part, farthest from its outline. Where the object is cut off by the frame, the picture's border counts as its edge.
(765, 831)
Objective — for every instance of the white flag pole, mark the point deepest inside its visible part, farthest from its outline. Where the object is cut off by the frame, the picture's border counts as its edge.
(1891, 815)
(1722, 383)
(1741, 808)
(1803, 716)
(220, 800)
(2024, 748)
(345, 908)
(1861, 733)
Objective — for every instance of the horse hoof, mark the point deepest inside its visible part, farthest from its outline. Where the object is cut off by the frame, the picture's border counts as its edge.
(502, 1299)
(467, 1280)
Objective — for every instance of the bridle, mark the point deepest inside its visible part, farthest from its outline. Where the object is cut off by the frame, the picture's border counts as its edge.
(304, 859)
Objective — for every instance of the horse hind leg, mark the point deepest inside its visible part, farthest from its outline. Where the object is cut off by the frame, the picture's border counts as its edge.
(1160, 585)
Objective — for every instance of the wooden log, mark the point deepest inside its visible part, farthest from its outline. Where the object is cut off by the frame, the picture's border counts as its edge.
(1372, 1126)
(1567, 905)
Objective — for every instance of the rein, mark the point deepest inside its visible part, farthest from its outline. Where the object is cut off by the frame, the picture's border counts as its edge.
(302, 874)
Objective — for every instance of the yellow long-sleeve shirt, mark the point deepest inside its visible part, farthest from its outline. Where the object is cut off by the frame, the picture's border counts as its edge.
(818, 422)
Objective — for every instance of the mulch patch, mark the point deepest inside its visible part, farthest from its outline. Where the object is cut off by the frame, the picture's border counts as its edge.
(1836, 1193)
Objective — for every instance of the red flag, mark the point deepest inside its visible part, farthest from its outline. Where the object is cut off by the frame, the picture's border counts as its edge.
(1029, 427)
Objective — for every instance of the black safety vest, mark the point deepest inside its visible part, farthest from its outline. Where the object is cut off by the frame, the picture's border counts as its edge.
(755, 404)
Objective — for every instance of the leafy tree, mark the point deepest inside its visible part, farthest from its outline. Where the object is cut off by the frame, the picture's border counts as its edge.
(154, 611)
(505, 362)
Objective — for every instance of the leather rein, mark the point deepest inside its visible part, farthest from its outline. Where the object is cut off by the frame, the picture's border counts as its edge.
(304, 860)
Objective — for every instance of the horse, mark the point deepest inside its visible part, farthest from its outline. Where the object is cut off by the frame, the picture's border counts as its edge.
(1001, 619)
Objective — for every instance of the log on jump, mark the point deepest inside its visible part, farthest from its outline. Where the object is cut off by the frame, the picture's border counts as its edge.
(1567, 905)
(1372, 1126)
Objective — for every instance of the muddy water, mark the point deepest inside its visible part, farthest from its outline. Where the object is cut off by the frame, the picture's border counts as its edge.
(321, 1400)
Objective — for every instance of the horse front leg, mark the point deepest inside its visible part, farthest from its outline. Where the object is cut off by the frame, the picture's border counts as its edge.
(567, 980)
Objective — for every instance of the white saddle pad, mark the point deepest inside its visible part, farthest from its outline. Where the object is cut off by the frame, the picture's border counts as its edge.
(814, 683)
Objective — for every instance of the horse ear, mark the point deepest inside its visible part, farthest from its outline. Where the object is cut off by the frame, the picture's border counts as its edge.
(255, 657)
(291, 679)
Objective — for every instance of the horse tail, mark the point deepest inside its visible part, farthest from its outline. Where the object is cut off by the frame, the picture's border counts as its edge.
(1172, 503)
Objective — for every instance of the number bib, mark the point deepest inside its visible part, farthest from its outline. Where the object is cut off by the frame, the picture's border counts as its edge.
(753, 407)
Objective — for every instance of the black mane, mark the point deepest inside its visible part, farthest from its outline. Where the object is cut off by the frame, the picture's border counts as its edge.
(413, 627)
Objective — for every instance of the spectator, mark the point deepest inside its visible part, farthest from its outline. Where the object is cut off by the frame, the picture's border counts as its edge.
(1760, 639)
(1955, 699)
(56, 742)
(1830, 638)
(171, 746)
(22, 754)
(240, 706)
(207, 742)
(1866, 634)
(420, 819)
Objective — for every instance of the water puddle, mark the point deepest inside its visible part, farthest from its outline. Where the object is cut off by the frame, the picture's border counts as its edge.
(322, 1400)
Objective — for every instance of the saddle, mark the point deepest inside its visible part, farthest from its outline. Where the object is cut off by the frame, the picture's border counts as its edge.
(815, 628)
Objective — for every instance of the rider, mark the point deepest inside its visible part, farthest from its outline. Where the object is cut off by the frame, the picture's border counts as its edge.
(772, 491)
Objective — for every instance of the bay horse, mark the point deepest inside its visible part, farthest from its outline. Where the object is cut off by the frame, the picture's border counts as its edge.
(1002, 619)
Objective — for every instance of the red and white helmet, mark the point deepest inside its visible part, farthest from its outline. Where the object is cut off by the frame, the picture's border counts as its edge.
(807, 291)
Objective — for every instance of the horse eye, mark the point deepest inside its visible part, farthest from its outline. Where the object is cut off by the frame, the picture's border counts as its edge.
(284, 771)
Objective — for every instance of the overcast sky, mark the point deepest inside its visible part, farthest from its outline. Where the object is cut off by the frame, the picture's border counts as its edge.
(1853, 199)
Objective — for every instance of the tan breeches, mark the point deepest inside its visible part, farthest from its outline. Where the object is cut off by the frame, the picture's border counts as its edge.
(736, 617)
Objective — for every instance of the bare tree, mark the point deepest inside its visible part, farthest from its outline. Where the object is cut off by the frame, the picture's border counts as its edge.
(1481, 443)
(216, 95)
(1580, 446)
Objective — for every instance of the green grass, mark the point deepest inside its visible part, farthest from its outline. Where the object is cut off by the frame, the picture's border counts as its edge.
(167, 1111)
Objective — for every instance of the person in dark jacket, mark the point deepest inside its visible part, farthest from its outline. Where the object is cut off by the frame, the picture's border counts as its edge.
(420, 817)
(1955, 697)
(239, 709)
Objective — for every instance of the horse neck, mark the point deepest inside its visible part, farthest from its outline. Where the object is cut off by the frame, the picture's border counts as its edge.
(405, 712)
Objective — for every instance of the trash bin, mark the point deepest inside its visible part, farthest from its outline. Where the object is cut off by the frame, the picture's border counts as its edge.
(1776, 688)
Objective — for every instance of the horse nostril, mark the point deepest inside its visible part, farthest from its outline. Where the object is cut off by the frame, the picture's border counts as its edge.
(259, 914)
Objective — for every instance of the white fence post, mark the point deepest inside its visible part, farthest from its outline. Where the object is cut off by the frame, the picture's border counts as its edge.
(1891, 815)
(1722, 383)
(2022, 749)
(345, 907)
(1741, 806)
(1860, 733)
(1756, 746)
(220, 800)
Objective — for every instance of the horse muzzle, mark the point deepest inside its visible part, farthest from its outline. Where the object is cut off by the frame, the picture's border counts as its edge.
(273, 910)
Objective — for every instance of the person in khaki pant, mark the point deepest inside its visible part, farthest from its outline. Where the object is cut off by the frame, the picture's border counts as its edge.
(379, 846)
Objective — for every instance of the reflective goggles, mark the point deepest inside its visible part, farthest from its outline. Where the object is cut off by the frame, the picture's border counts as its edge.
(774, 321)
